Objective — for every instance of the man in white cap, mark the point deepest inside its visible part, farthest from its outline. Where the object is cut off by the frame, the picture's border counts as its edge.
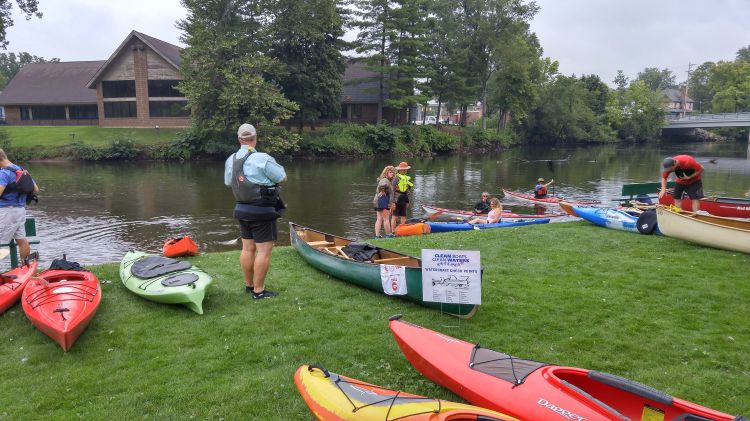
(255, 178)
(540, 190)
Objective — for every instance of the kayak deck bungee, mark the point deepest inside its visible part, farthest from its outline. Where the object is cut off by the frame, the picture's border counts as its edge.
(324, 252)
(13, 282)
(164, 280)
(453, 213)
(334, 397)
(533, 390)
(62, 303)
(465, 226)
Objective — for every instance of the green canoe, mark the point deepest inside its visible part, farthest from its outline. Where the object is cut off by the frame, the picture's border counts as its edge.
(323, 251)
(164, 280)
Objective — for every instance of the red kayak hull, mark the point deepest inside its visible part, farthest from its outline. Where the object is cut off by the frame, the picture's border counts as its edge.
(531, 198)
(468, 214)
(178, 247)
(549, 392)
(12, 284)
(64, 308)
(728, 207)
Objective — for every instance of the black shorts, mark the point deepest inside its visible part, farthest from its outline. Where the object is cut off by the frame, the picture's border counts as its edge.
(693, 190)
(400, 209)
(260, 231)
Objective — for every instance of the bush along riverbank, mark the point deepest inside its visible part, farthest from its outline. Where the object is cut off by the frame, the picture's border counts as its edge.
(337, 140)
(656, 310)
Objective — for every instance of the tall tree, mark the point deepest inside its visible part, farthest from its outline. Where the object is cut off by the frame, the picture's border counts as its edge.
(406, 53)
(488, 25)
(373, 19)
(729, 82)
(644, 112)
(28, 8)
(699, 90)
(657, 79)
(307, 40)
(10, 64)
(227, 77)
(743, 54)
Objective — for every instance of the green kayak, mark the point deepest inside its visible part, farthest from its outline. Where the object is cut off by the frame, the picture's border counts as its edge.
(164, 280)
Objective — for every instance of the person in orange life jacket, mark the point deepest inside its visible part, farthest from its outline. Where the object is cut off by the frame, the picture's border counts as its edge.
(483, 206)
(494, 216)
(540, 190)
(383, 202)
(687, 173)
(13, 206)
(402, 185)
(254, 178)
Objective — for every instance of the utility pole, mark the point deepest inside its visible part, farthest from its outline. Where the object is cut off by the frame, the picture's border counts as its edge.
(687, 83)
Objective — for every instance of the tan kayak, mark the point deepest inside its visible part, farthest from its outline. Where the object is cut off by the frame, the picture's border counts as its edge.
(713, 231)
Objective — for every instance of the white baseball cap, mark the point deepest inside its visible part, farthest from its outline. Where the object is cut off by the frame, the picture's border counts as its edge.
(246, 130)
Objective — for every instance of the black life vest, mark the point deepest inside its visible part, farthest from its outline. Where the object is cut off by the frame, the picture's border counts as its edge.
(23, 186)
(254, 201)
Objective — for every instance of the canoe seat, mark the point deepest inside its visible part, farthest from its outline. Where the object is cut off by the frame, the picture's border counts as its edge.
(321, 244)
(391, 259)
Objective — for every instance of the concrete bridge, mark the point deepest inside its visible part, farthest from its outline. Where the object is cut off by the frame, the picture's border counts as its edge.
(703, 121)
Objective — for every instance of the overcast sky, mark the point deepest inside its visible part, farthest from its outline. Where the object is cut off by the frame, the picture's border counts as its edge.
(584, 36)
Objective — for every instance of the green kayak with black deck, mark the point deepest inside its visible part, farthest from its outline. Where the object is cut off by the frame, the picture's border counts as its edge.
(164, 280)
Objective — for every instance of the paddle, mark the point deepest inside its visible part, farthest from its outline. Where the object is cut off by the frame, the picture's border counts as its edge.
(551, 167)
(418, 220)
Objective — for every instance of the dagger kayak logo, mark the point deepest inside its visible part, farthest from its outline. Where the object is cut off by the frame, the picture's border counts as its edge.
(563, 412)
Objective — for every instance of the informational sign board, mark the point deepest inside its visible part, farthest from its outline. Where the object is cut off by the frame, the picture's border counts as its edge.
(393, 278)
(451, 276)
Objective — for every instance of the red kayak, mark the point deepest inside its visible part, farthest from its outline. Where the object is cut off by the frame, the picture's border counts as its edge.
(545, 201)
(533, 390)
(13, 282)
(62, 303)
(729, 207)
(453, 213)
(181, 246)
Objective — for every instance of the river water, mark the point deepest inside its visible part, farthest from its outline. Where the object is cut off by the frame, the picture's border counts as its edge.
(95, 212)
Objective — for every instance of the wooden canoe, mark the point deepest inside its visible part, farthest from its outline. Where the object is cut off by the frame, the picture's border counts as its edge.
(708, 230)
(323, 251)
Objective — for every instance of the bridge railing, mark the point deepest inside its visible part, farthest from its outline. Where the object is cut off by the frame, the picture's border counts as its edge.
(714, 117)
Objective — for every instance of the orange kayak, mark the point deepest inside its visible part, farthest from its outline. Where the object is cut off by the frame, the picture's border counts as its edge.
(62, 303)
(416, 228)
(13, 282)
(181, 246)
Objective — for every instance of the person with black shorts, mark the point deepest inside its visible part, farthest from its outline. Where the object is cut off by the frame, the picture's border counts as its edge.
(402, 185)
(255, 177)
(688, 179)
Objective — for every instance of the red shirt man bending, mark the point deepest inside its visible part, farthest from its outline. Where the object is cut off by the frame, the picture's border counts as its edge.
(687, 173)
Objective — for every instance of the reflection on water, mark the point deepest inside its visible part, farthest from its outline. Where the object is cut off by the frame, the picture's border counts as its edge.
(96, 212)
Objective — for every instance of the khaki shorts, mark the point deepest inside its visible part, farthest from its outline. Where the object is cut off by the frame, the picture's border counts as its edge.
(12, 224)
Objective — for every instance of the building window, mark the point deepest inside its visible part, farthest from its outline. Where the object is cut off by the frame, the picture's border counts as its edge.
(119, 109)
(83, 112)
(163, 88)
(118, 89)
(48, 112)
(168, 109)
(25, 113)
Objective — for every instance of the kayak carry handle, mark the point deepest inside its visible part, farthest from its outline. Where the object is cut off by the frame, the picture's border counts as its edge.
(310, 368)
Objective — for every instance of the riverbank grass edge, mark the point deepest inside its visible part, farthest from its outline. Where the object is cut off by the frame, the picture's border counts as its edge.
(657, 310)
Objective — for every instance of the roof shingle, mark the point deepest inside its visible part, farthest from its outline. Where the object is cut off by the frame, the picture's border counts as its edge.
(52, 84)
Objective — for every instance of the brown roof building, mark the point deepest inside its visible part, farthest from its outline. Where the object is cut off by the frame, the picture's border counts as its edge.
(135, 87)
(359, 98)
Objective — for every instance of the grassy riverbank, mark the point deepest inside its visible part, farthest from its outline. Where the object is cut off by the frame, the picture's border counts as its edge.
(60, 136)
(657, 310)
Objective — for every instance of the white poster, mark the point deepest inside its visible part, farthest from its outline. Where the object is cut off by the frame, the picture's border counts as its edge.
(452, 276)
(393, 279)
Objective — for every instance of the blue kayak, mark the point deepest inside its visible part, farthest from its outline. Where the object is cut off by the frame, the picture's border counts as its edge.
(465, 226)
(619, 219)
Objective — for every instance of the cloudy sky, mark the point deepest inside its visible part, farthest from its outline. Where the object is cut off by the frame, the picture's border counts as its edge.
(585, 36)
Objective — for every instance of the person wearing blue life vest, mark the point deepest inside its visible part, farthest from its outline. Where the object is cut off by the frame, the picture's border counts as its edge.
(13, 193)
(254, 178)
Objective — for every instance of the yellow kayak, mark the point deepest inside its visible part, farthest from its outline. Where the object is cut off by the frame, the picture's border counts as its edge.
(333, 397)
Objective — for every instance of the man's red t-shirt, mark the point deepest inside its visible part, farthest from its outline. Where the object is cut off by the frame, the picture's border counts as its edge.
(686, 165)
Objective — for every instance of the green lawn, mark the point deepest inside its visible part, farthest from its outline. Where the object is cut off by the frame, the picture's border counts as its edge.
(56, 136)
(659, 311)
